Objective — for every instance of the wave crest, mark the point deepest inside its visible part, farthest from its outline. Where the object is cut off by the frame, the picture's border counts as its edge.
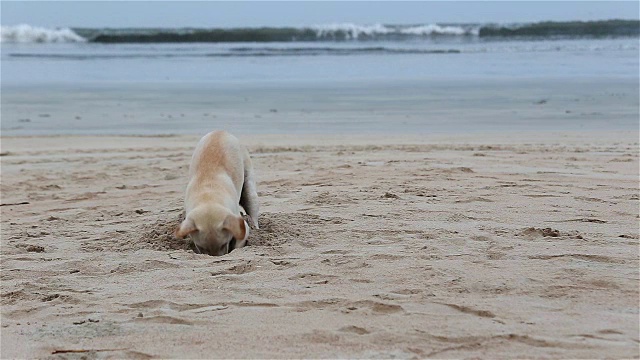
(350, 31)
(326, 33)
(434, 29)
(32, 34)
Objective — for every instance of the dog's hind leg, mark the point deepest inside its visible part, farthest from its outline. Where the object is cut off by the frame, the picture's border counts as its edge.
(249, 196)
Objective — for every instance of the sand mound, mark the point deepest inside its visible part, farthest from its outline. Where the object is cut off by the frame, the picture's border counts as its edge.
(160, 235)
(276, 229)
(536, 232)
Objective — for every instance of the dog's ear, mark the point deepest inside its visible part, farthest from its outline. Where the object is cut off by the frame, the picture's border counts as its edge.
(237, 227)
(187, 227)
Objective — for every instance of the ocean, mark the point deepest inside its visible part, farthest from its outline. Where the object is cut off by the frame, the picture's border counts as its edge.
(377, 68)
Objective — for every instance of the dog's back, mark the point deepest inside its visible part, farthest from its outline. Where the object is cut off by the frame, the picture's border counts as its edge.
(217, 153)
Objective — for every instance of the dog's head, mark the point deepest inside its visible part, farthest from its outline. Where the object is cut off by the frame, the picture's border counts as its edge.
(214, 230)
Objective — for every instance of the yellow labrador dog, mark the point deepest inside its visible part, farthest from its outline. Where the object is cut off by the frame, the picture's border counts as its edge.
(221, 180)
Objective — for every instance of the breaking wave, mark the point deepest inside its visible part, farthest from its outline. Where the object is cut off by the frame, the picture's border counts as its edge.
(33, 34)
(326, 33)
(380, 32)
(330, 32)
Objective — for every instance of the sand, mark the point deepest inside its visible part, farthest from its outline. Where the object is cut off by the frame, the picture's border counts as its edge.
(480, 246)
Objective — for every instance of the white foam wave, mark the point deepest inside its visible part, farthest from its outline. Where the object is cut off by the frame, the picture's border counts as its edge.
(434, 29)
(33, 34)
(354, 31)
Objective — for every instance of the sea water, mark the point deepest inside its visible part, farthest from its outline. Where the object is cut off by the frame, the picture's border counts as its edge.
(344, 66)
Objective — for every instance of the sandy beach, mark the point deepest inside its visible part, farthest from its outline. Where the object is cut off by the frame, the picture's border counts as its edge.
(371, 246)
(436, 179)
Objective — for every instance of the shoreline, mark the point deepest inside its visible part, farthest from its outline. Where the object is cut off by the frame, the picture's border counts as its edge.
(419, 107)
(506, 137)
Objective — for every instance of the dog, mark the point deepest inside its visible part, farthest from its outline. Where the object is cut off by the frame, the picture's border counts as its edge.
(221, 181)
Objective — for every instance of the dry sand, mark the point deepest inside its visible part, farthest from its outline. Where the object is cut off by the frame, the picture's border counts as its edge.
(491, 247)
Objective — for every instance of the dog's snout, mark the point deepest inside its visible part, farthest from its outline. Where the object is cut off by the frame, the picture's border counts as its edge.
(196, 249)
(217, 250)
(224, 249)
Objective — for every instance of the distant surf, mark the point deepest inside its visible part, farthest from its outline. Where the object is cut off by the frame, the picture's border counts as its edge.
(324, 33)
(34, 34)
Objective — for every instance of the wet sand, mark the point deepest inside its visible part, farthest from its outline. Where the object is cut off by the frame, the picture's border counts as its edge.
(419, 107)
(491, 246)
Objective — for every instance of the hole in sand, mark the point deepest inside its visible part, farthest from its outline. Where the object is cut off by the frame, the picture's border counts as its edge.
(275, 229)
